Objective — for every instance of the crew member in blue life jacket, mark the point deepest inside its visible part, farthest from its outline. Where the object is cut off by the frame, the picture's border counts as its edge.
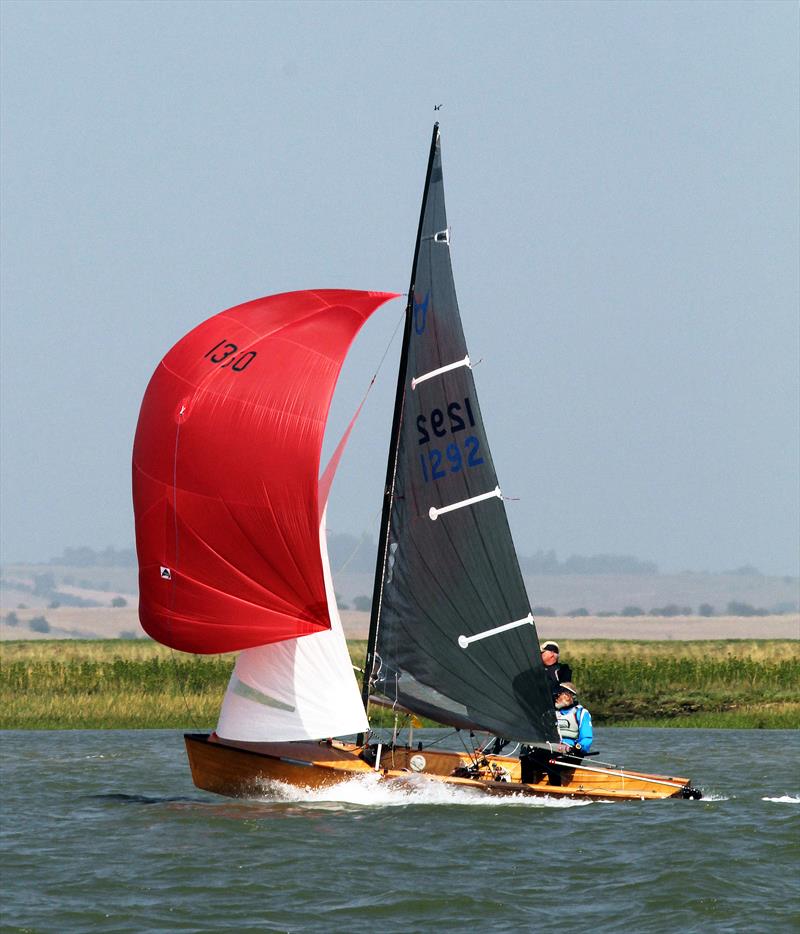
(574, 722)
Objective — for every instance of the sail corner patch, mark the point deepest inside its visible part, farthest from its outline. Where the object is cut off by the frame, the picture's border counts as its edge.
(166, 574)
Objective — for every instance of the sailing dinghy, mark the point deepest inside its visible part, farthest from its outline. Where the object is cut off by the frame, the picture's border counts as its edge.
(230, 533)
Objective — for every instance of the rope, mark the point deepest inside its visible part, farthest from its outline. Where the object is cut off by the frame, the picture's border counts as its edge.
(372, 381)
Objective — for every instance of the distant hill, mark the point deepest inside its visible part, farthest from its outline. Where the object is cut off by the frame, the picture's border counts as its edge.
(84, 557)
(357, 555)
(578, 585)
(625, 594)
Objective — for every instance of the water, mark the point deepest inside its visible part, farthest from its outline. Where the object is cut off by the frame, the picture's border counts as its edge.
(103, 831)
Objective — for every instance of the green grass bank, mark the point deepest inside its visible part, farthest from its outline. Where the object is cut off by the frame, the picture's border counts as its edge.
(130, 684)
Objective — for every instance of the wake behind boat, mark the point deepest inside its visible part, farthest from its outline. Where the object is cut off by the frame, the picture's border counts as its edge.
(230, 508)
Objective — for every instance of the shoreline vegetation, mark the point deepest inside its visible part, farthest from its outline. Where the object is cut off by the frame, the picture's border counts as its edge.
(137, 684)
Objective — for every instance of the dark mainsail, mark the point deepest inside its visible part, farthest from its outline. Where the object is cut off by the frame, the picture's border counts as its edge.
(447, 567)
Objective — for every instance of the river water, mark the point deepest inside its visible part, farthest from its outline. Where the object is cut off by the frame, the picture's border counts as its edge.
(104, 831)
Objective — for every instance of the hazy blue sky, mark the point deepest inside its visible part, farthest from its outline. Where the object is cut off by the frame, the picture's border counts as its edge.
(622, 185)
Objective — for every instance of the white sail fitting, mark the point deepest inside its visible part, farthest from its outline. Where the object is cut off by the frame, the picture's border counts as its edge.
(434, 512)
(442, 369)
(464, 641)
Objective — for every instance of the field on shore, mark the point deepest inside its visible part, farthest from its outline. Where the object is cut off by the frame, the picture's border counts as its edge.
(135, 683)
(66, 622)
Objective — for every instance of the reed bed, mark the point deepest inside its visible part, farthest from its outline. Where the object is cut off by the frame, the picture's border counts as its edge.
(126, 684)
(618, 691)
(137, 710)
(108, 684)
(757, 717)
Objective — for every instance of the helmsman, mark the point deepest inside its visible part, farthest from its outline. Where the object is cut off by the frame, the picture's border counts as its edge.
(557, 672)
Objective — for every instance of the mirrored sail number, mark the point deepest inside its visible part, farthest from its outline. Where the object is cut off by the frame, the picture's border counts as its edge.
(441, 422)
(224, 354)
(437, 463)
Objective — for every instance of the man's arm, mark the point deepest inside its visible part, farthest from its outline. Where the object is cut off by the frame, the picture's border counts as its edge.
(585, 734)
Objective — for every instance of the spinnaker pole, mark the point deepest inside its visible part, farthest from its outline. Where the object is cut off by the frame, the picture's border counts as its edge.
(391, 465)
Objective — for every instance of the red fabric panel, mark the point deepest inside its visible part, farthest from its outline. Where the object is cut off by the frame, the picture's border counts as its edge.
(225, 472)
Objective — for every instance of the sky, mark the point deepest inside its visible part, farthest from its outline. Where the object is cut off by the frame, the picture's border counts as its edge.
(622, 189)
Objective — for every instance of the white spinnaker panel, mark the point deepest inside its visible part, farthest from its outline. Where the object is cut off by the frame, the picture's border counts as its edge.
(298, 689)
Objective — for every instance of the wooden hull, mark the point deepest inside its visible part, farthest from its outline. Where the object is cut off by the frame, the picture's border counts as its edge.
(241, 770)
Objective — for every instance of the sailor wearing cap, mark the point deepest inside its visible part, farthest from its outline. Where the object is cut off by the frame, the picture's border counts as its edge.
(574, 721)
(556, 673)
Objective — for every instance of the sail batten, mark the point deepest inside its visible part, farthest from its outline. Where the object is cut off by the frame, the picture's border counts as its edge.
(465, 641)
(450, 569)
(438, 372)
(435, 511)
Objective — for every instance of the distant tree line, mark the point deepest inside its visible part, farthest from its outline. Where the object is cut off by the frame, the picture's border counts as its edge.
(734, 608)
(546, 562)
(357, 554)
(85, 557)
(35, 623)
(44, 585)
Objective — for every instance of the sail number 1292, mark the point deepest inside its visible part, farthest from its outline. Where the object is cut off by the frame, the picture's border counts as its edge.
(436, 462)
(453, 419)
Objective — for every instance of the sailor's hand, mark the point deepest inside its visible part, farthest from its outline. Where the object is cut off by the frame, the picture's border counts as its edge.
(563, 748)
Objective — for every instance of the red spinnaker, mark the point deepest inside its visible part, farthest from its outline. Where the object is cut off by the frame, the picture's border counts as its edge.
(226, 470)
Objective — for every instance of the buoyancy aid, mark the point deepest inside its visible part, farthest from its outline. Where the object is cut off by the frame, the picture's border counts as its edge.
(568, 721)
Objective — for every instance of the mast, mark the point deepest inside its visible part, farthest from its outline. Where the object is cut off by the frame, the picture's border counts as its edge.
(391, 465)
